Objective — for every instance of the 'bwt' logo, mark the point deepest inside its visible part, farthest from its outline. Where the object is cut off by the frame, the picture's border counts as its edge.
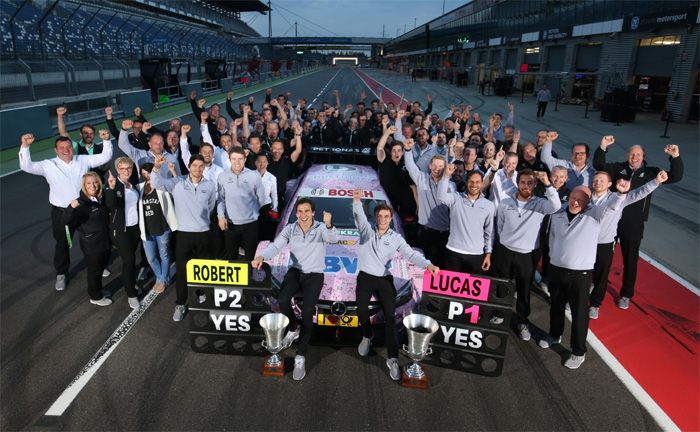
(317, 192)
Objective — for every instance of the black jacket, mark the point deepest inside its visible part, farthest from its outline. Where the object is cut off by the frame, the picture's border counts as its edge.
(638, 212)
(90, 219)
(115, 202)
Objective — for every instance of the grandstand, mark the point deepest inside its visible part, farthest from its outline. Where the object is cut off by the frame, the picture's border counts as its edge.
(58, 49)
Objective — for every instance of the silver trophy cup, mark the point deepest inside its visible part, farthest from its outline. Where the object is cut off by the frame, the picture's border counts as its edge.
(274, 325)
(421, 329)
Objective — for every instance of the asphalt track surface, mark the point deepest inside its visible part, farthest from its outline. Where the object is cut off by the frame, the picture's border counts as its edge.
(153, 380)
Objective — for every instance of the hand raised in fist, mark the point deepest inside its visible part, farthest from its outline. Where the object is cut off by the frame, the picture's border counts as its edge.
(672, 150)
(607, 141)
(542, 177)
(201, 102)
(158, 161)
(328, 219)
(27, 140)
(392, 130)
(61, 110)
(246, 109)
(661, 177)
(449, 170)
(552, 136)
(357, 194)
(104, 135)
(185, 129)
(127, 124)
(147, 126)
(408, 144)
(229, 95)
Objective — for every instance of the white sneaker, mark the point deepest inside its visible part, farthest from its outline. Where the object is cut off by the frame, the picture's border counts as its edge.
(524, 332)
(290, 337)
(547, 341)
(544, 287)
(574, 361)
(623, 303)
(60, 282)
(363, 348)
(299, 368)
(104, 301)
(593, 312)
(134, 302)
(180, 311)
(106, 273)
(393, 365)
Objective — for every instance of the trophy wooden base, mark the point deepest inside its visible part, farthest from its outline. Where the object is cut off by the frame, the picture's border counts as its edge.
(275, 371)
(416, 383)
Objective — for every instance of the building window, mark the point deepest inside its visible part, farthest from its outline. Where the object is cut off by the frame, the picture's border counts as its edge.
(661, 40)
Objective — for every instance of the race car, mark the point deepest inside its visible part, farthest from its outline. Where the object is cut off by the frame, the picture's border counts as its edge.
(330, 187)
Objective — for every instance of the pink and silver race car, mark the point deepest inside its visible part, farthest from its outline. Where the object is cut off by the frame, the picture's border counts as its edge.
(330, 188)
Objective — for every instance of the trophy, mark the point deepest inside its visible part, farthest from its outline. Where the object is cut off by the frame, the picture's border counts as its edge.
(421, 329)
(274, 325)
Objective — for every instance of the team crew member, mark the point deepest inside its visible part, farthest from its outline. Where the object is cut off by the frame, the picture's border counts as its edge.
(502, 183)
(518, 221)
(631, 227)
(378, 245)
(157, 221)
(64, 174)
(306, 239)
(211, 170)
(269, 212)
(241, 194)
(155, 145)
(194, 198)
(606, 239)
(572, 249)
(433, 217)
(122, 199)
(394, 177)
(281, 165)
(90, 216)
(471, 225)
(580, 171)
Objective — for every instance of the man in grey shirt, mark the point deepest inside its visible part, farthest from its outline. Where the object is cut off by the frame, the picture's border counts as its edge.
(433, 217)
(377, 248)
(241, 194)
(518, 221)
(579, 170)
(307, 239)
(573, 239)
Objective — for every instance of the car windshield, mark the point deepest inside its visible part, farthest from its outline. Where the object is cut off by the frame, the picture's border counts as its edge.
(341, 209)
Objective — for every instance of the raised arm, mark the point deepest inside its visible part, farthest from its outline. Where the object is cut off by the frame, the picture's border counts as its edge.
(96, 160)
(553, 203)
(294, 157)
(60, 112)
(25, 159)
(381, 153)
(413, 170)
(125, 145)
(358, 214)
(599, 162)
(675, 172)
(158, 181)
(329, 233)
(185, 153)
(443, 194)
(110, 122)
(229, 106)
(546, 154)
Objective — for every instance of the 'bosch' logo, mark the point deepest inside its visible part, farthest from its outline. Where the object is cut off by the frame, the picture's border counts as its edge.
(338, 308)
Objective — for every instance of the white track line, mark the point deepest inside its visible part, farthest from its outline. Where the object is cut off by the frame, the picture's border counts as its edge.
(657, 413)
(71, 392)
(670, 273)
(323, 89)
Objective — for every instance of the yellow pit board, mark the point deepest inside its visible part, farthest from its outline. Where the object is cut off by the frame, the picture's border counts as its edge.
(217, 272)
